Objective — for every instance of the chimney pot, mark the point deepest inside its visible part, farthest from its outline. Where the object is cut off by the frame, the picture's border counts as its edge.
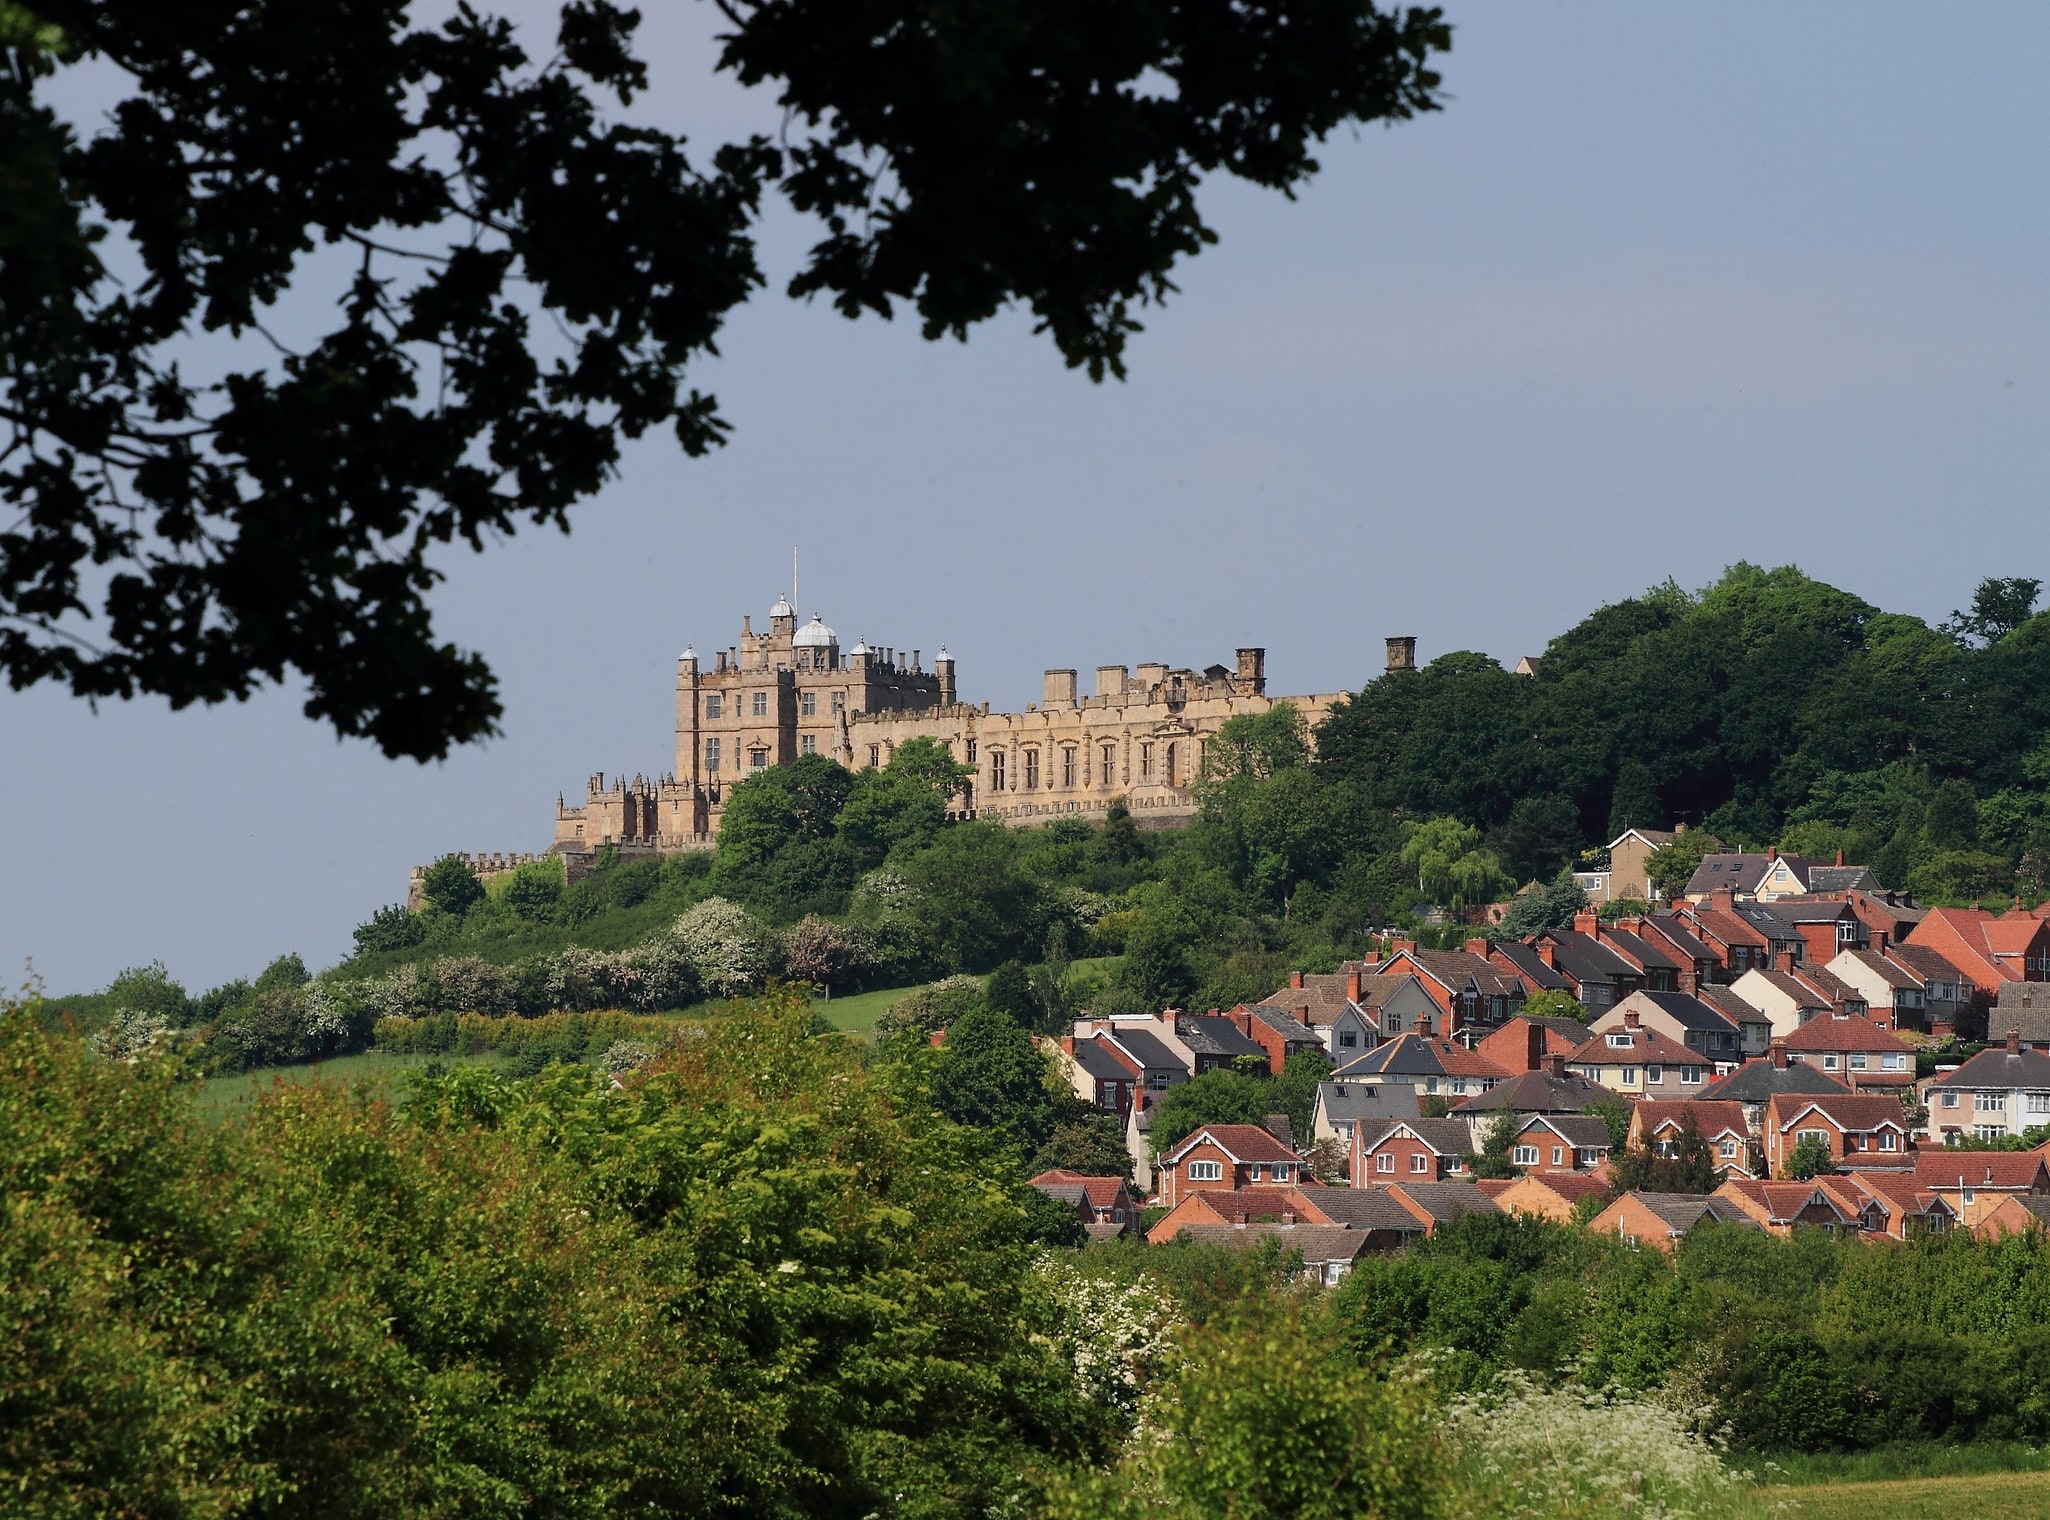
(1879, 940)
(1631, 1018)
(1772, 852)
(1423, 1025)
(1779, 1054)
(1534, 1045)
(2014, 1042)
(1586, 922)
(1477, 946)
(1839, 855)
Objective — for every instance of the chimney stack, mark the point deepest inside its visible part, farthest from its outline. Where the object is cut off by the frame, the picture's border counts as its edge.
(1879, 940)
(1558, 1065)
(1631, 1018)
(1586, 922)
(1783, 960)
(1352, 986)
(1546, 953)
(1772, 852)
(1779, 1054)
(1840, 855)
(1295, 981)
(1477, 946)
(1723, 899)
(2014, 1042)
(1423, 1025)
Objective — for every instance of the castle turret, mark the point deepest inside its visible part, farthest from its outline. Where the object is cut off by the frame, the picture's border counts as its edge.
(943, 667)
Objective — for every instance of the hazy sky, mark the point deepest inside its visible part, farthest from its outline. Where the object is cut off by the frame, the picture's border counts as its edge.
(1664, 286)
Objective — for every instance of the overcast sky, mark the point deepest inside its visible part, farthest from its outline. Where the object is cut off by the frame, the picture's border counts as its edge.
(1662, 288)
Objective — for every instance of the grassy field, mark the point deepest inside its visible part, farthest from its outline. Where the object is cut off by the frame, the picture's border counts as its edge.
(1983, 1496)
(857, 1014)
(381, 1068)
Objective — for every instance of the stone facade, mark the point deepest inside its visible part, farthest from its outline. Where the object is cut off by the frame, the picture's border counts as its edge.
(792, 691)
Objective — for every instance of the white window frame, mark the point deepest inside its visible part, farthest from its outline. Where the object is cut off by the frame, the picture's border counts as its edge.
(1524, 1155)
(1989, 1102)
(1419, 1162)
(1384, 1161)
(1204, 1171)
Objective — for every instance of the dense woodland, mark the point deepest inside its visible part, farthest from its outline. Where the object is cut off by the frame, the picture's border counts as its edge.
(1768, 707)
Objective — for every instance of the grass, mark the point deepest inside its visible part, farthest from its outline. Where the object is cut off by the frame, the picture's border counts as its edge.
(857, 1014)
(1979, 1496)
(381, 1068)
(1909, 1459)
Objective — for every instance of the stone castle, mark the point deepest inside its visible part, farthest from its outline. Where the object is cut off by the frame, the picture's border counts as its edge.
(793, 691)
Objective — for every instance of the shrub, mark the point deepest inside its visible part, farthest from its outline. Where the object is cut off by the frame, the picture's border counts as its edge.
(726, 945)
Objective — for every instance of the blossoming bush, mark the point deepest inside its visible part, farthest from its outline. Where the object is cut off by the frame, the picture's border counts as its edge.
(727, 946)
(1115, 1335)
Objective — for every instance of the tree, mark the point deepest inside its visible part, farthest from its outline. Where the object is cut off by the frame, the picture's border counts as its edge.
(1615, 1113)
(991, 1078)
(1496, 1148)
(1550, 1004)
(450, 886)
(1811, 1158)
(1450, 866)
(527, 283)
(1294, 1092)
(1084, 1139)
(1552, 906)
(1671, 866)
(1009, 992)
(1688, 1166)
(1999, 606)
(1257, 744)
(1215, 1097)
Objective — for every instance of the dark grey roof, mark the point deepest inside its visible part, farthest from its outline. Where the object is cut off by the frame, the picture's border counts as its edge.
(1532, 968)
(1449, 1202)
(1999, 1067)
(1587, 959)
(1767, 921)
(1534, 1092)
(1356, 1102)
(1674, 928)
(1286, 1024)
(1364, 1208)
(1802, 910)
(1731, 869)
(1581, 1131)
(1214, 1037)
(1147, 1049)
(1842, 879)
(1755, 1081)
(1929, 964)
(1281, 1127)
(1093, 1058)
(1448, 1137)
(1064, 1192)
(1642, 950)
(1682, 1211)
(1883, 967)
(1579, 1031)
(1732, 1007)
(1690, 1011)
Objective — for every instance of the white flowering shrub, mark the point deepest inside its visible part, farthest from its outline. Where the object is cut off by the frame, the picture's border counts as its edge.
(657, 976)
(131, 1034)
(401, 994)
(1532, 1451)
(580, 980)
(729, 949)
(623, 1056)
(327, 1015)
(1115, 1336)
(471, 984)
(930, 1007)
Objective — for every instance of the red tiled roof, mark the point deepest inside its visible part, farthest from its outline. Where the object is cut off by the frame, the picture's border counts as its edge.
(1781, 1200)
(1571, 1186)
(2014, 1170)
(1852, 1111)
(1243, 1142)
(1101, 1192)
(1712, 1116)
(1830, 1032)
(1651, 1047)
(1987, 949)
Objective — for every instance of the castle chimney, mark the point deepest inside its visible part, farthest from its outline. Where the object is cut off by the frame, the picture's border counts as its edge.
(943, 667)
(1252, 672)
(1402, 653)
(914, 662)
(1059, 690)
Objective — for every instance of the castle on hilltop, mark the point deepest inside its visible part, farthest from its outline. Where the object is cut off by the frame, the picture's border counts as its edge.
(793, 691)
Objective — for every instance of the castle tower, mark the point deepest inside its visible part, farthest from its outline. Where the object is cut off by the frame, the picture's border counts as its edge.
(1402, 653)
(943, 667)
(687, 716)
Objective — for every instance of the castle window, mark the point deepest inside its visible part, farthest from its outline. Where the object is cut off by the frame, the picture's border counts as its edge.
(1068, 767)
(713, 708)
(1145, 761)
(1031, 769)
(757, 759)
(1170, 765)
(839, 701)
(1110, 765)
(996, 770)
(712, 756)
(761, 704)
(808, 703)
(875, 755)
(809, 743)
(971, 751)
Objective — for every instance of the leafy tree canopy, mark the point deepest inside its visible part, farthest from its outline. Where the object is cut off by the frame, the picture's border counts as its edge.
(1216, 1097)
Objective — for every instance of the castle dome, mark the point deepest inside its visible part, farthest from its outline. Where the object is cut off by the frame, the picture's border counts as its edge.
(814, 635)
(861, 647)
(782, 609)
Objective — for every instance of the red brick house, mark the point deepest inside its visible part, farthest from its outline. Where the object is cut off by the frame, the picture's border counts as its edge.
(1656, 1125)
(1097, 1200)
(1222, 1158)
(1972, 1182)
(1779, 1206)
(1412, 1150)
(1855, 1051)
(1862, 1129)
(1989, 951)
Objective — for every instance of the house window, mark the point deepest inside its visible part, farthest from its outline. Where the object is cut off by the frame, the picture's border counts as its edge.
(1893, 1061)
(757, 759)
(761, 704)
(1968, 1195)
(1727, 1149)
(809, 743)
(1347, 1039)
(1108, 772)
(1622, 1041)
(1630, 1076)
(1950, 1098)
(1170, 765)
(996, 770)
(712, 757)
(1989, 1131)
(1829, 1062)
(1205, 1171)
(1857, 1060)
(1525, 1155)
(1419, 1162)
(1989, 1102)
(808, 703)
(1690, 1076)
(2038, 1103)
(1889, 1141)
(1253, 1172)
(1654, 1074)
(1585, 1156)
(1558, 1155)
(1812, 1134)
(1117, 1216)
(714, 708)
(1281, 1171)
(1031, 758)
(1384, 1162)
(1145, 761)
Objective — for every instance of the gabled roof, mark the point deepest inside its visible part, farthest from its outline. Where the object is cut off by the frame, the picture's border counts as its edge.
(1411, 1055)
(1756, 1081)
(1842, 879)
(1690, 1012)
(1730, 1006)
(1454, 969)
(1784, 1202)
(1318, 1244)
(1728, 928)
(1574, 1031)
(1988, 950)
(1585, 958)
(1883, 967)
(1845, 1032)
(1858, 1112)
(1683, 1211)
(1898, 1190)
(1830, 985)
(2012, 1170)
(1811, 910)
(1443, 1137)
(1769, 922)
(1215, 1037)
(1241, 1142)
(1637, 948)
(1532, 968)
(1800, 993)
(1652, 837)
(1366, 1208)
(1099, 1058)
(1145, 1047)
(2023, 1007)
(1366, 1102)
(1571, 1186)
(1650, 1048)
(1740, 872)
(1997, 1067)
(1446, 1202)
(1581, 1131)
(1101, 1192)
(1535, 1092)
(1318, 1002)
(1676, 932)
(1286, 1024)
(1712, 1117)
(1377, 987)
(1924, 961)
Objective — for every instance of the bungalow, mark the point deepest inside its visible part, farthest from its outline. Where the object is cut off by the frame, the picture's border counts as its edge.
(1250, 1205)
(1662, 1220)
(1999, 1092)
(1098, 1200)
(1429, 1150)
(1777, 1207)
(1341, 1106)
(1550, 1195)
(1225, 1157)
(1639, 1063)
(1379, 1212)
(1560, 1143)
(1684, 1019)
(1656, 1125)
(1861, 1129)
(1856, 1050)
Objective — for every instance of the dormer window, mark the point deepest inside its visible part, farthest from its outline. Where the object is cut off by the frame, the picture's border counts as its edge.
(1621, 1041)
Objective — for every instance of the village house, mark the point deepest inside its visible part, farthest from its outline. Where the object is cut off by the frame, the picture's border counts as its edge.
(1989, 951)
(1334, 1006)
(2023, 1007)
(1739, 945)
(1638, 1062)
(2012, 1215)
(1778, 1207)
(1415, 1150)
(1883, 911)
(1754, 1029)
(1326, 1251)
(1892, 1204)
(1973, 1182)
(1104, 1201)
(1672, 934)
(1550, 1195)
(1277, 1032)
(1223, 1158)
(1657, 968)
(1529, 1044)
(1771, 876)
(1554, 1090)
(1999, 1092)
(1854, 1050)
(1786, 996)
(1685, 1020)
(1751, 1084)
(1559, 1143)
(1467, 987)
(1215, 1043)
(1656, 1125)
(1599, 978)
(1627, 877)
(1531, 967)
(1827, 927)
(1433, 1067)
(1893, 993)
(1342, 1106)
(1662, 1220)
(1861, 1129)
(1100, 1074)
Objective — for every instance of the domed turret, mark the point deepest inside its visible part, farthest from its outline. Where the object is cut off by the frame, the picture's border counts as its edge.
(815, 635)
(782, 609)
(861, 647)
